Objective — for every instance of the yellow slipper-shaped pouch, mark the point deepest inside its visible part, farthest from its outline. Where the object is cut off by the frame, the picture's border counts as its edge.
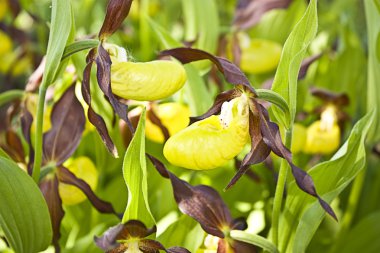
(211, 142)
(321, 140)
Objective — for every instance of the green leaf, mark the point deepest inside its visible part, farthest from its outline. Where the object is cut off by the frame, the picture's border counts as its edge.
(24, 216)
(363, 236)
(274, 98)
(135, 176)
(373, 86)
(10, 95)
(302, 214)
(285, 80)
(60, 30)
(195, 88)
(254, 240)
(78, 46)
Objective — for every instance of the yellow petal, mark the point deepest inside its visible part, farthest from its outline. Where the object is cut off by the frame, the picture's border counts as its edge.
(84, 169)
(174, 116)
(5, 43)
(211, 142)
(260, 56)
(3, 9)
(320, 140)
(147, 81)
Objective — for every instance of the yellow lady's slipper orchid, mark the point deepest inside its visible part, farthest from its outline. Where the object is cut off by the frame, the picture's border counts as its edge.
(259, 55)
(147, 81)
(323, 136)
(174, 116)
(211, 142)
(84, 169)
(299, 138)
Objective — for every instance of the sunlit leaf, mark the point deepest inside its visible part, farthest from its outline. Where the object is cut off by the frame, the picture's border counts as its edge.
(135, 176)
(24, 216)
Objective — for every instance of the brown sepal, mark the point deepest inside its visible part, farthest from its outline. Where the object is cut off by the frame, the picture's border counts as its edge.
(231, 72)
(117, 11)
(249, 12)
(49, 188)
(271, 136)
(68, 121)
(95, 119)
(26, 124)
(152, 116)
(217, 106)
(14, 146)
(67, 177)
(338, 99)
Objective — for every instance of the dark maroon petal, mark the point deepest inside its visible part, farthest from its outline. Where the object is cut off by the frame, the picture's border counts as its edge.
(242, 247)
(259, 149)
(216, 107)
(117, 11)
(93, 117)
(108, 240)
(49, 188)
(26, 124)
(67, 177)
(306, 64)
(152, 116)
(103, 62)
(14, 146)
(68, 120)
(249, 173)
(271, 136)
(177, 250)
(121, 248)
(150, 246)
(249, 12)
(202, 203)
(239, 224)
(339, 99)
(136, 229)
(231, 72)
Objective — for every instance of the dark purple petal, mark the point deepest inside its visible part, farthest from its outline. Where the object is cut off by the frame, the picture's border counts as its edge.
(108, 240)
(67, 177)
(216, 107)
(239, 224)
(259, 149)
(249, 12)
(93, 117)
(306, 64)
(49, 188)
(243, 247)
(136, 229)
(271, 136)
(339, 99)
(231, 72)
(150, 246)
(14, 146)
(68, 120)
(177, 250)
(202, 203)
(26, 124)
(103, 62)
(117, 11)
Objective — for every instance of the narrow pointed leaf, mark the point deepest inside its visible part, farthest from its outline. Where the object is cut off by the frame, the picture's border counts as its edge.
(24, 216)
(285, 81)
(231, 72)
(254, 240)
(67, 177)
(135, 176)
(68, 122)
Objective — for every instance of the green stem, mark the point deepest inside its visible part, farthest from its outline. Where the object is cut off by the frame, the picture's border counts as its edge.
(279, 194)
(10, 95)
(38, 134)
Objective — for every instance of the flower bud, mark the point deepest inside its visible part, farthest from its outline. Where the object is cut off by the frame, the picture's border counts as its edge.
(146, 81)
(259, 55)
(174, 116)
(84, 169)
(211, 142)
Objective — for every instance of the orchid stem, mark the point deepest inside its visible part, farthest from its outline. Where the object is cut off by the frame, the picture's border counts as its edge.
(279, 194)
(38, 134)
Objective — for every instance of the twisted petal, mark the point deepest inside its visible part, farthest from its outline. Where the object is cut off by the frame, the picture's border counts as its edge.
(147, 81)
